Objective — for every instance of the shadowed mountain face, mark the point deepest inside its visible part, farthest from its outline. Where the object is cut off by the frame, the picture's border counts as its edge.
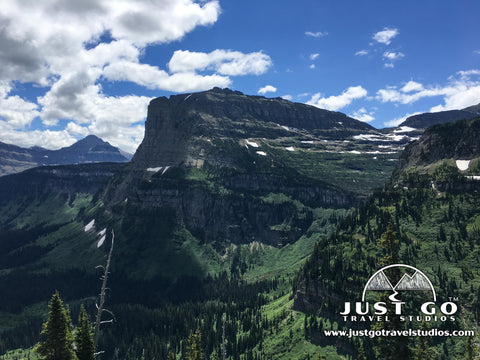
(182, 129)
(88, 150)
(452, 141)
(423, 121)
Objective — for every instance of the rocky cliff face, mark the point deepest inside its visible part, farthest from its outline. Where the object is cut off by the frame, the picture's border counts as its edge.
(456, 141)
(59, 180)
(181, 129)
(230, 168)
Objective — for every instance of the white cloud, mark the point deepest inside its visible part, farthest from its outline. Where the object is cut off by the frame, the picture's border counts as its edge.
(267, 89)
(361, 53)
(391, 55)
(412, 86)
(59, 45)
(287, 97)
(47, 138)
(338, 102)
(385, 36)
(477, 51)
(312, 66)
(317, 34)
(225, 62)
(154, 78)
(459, 92)
(314, 56)
(363, 115)
(14, 110)
(397, 121)
(465, 75)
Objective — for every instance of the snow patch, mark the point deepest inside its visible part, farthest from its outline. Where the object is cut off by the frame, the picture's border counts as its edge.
(101, 233)
(307, 142)
(368, 137)
(463, 165)
(101, 241)
(252, 143)
(164, 170)
(155, 169)
(263, 153)
(290, 148)
(473, 177)
(404, 129)
(90, 225)
(395, 137)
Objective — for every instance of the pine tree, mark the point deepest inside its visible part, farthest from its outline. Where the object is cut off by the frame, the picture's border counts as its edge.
(171, 355)
(194, 347)
(390, 245)
(84, 338)
(421, 351)
(57, 331)
(361, 352)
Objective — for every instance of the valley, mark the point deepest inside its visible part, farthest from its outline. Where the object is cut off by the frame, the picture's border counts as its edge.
(259, 211)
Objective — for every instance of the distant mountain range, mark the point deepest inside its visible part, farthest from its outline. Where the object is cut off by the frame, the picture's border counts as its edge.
(91, 149)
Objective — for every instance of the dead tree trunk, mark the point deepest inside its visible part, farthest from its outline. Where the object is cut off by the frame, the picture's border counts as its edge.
(100, 309)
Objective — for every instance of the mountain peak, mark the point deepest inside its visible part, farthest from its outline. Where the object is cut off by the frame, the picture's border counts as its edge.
(181, 129)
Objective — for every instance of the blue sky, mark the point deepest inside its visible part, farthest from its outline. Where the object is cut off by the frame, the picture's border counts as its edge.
(71, 68)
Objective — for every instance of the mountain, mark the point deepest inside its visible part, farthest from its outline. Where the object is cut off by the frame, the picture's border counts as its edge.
(88, 150)
(215, 217)
(225, 187)
(426, 217)
(452, 141)
(423, 121)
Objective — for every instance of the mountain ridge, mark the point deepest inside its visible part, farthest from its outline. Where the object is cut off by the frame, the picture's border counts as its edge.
(90, 149)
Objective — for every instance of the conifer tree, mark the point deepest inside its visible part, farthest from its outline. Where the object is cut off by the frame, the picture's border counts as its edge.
(421, 351)
(390, 245)
(194, 347)
(84, 338)
(57, 332)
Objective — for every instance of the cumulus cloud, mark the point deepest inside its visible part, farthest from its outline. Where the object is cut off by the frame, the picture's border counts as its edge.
(287, 97)
(338, 102)
(460, 91)
(411, 86)
(391, 57)
(363, 115)
(314, 56)
(317, 34)
(267, 89)
(71, 48)
(14, 110)
(385, 36)
(224, 62)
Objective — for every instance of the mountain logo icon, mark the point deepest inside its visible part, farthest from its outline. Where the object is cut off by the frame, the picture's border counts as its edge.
(418, 281)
